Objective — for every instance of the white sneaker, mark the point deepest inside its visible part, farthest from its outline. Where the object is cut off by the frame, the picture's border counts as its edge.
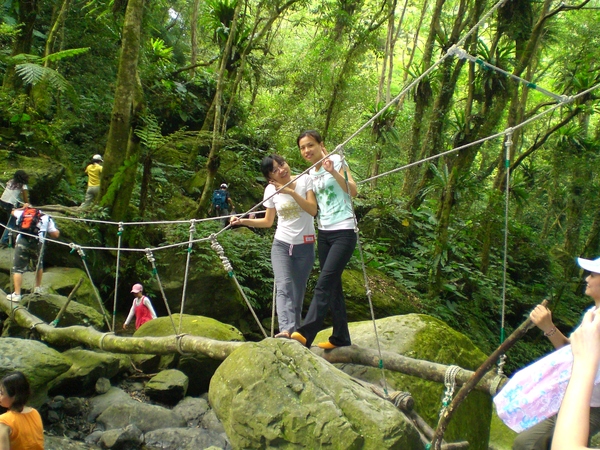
(38, 290)
(13, 297)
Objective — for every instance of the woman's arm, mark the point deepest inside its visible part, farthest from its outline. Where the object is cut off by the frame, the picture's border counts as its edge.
(148, 304)
(130, 316)
(573, 422)
(265, 222)
(308, 204)
(4, 437)
(25, 194)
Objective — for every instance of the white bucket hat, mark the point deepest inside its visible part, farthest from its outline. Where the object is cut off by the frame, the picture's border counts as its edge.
(589, 265)
(97, 158)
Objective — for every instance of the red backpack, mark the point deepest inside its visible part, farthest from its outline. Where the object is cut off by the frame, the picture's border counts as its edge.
(29, 222)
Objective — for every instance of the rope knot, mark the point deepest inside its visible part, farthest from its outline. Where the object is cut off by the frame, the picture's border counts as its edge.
(149, 256)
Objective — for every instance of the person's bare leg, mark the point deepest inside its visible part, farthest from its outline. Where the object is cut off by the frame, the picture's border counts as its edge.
(38, 277)
(17, 281)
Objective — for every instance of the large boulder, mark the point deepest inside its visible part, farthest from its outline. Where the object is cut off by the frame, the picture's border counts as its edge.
(86, 368)
(37, 361)
(198, 368)
(427, 338)
(389, 297)
(276, 393)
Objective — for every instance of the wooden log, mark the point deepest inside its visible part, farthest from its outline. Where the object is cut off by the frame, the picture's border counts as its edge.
(220, 350)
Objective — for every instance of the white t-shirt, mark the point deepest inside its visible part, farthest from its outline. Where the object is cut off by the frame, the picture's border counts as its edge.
(13, 196)
(294, 225)
(47, 224)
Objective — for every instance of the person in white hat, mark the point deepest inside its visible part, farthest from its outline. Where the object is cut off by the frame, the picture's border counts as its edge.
(540, 436)
(94, 172)
(142, 308)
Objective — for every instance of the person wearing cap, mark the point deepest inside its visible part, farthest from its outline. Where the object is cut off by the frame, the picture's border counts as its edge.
(142, 308)
(93, 171)
(221, 203)
(540, 436)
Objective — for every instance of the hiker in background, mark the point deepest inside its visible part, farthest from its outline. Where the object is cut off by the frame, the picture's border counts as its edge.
(142, 308)
(33, 226)
(293, 249)
(93, 171)
(221, 201)
(21, 426)
(15, 194)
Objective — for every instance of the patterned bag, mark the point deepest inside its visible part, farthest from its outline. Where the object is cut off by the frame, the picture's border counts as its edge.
(535, 393)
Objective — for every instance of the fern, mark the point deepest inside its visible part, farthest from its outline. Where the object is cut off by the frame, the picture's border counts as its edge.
(32, 73)
(65, 54)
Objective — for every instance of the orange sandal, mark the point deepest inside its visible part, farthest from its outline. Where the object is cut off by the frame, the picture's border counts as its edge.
(298, 337)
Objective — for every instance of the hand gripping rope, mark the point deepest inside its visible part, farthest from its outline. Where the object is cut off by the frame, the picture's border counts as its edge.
(229, 269)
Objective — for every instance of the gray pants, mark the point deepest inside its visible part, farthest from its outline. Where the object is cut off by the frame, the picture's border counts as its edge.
(539, 437)
(90, 195)
(291, 266)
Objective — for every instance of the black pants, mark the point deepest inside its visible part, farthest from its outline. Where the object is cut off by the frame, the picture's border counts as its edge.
(335, 248)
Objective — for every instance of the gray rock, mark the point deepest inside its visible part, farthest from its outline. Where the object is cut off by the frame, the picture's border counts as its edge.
(122, 438)
(145, 417)
(168, 386)
(185, 439)
(53, 416)
(101, 402)
(94, 438)
(276, 393)
(102, 385)
(86, 368)
(36, 360)
(210, 421)
(73, 406)
(62, 443)
(192, 409)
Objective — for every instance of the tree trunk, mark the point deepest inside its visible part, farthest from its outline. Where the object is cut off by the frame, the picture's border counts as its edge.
(120, 126)
(193, 35)
(212, 165)
(23, 40)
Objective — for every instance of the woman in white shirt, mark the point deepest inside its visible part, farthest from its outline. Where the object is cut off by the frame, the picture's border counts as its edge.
(293, 251)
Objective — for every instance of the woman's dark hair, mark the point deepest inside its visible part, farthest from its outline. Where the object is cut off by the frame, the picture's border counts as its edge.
(266, 165)
(16, 385)
(18, 180)
(310, 133)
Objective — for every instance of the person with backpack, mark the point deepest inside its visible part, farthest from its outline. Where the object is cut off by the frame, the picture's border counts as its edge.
(293, 249)
(93, 171)
(33, 226)
(221, 201)
(142, 308)
(15, 194)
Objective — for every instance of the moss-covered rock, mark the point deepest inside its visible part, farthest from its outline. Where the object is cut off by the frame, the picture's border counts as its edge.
(277, 394)
(167, 386)
(389, 298)
(199, 369)
(86, 368)
(501, 437)
(40, 364)
(427, 338)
